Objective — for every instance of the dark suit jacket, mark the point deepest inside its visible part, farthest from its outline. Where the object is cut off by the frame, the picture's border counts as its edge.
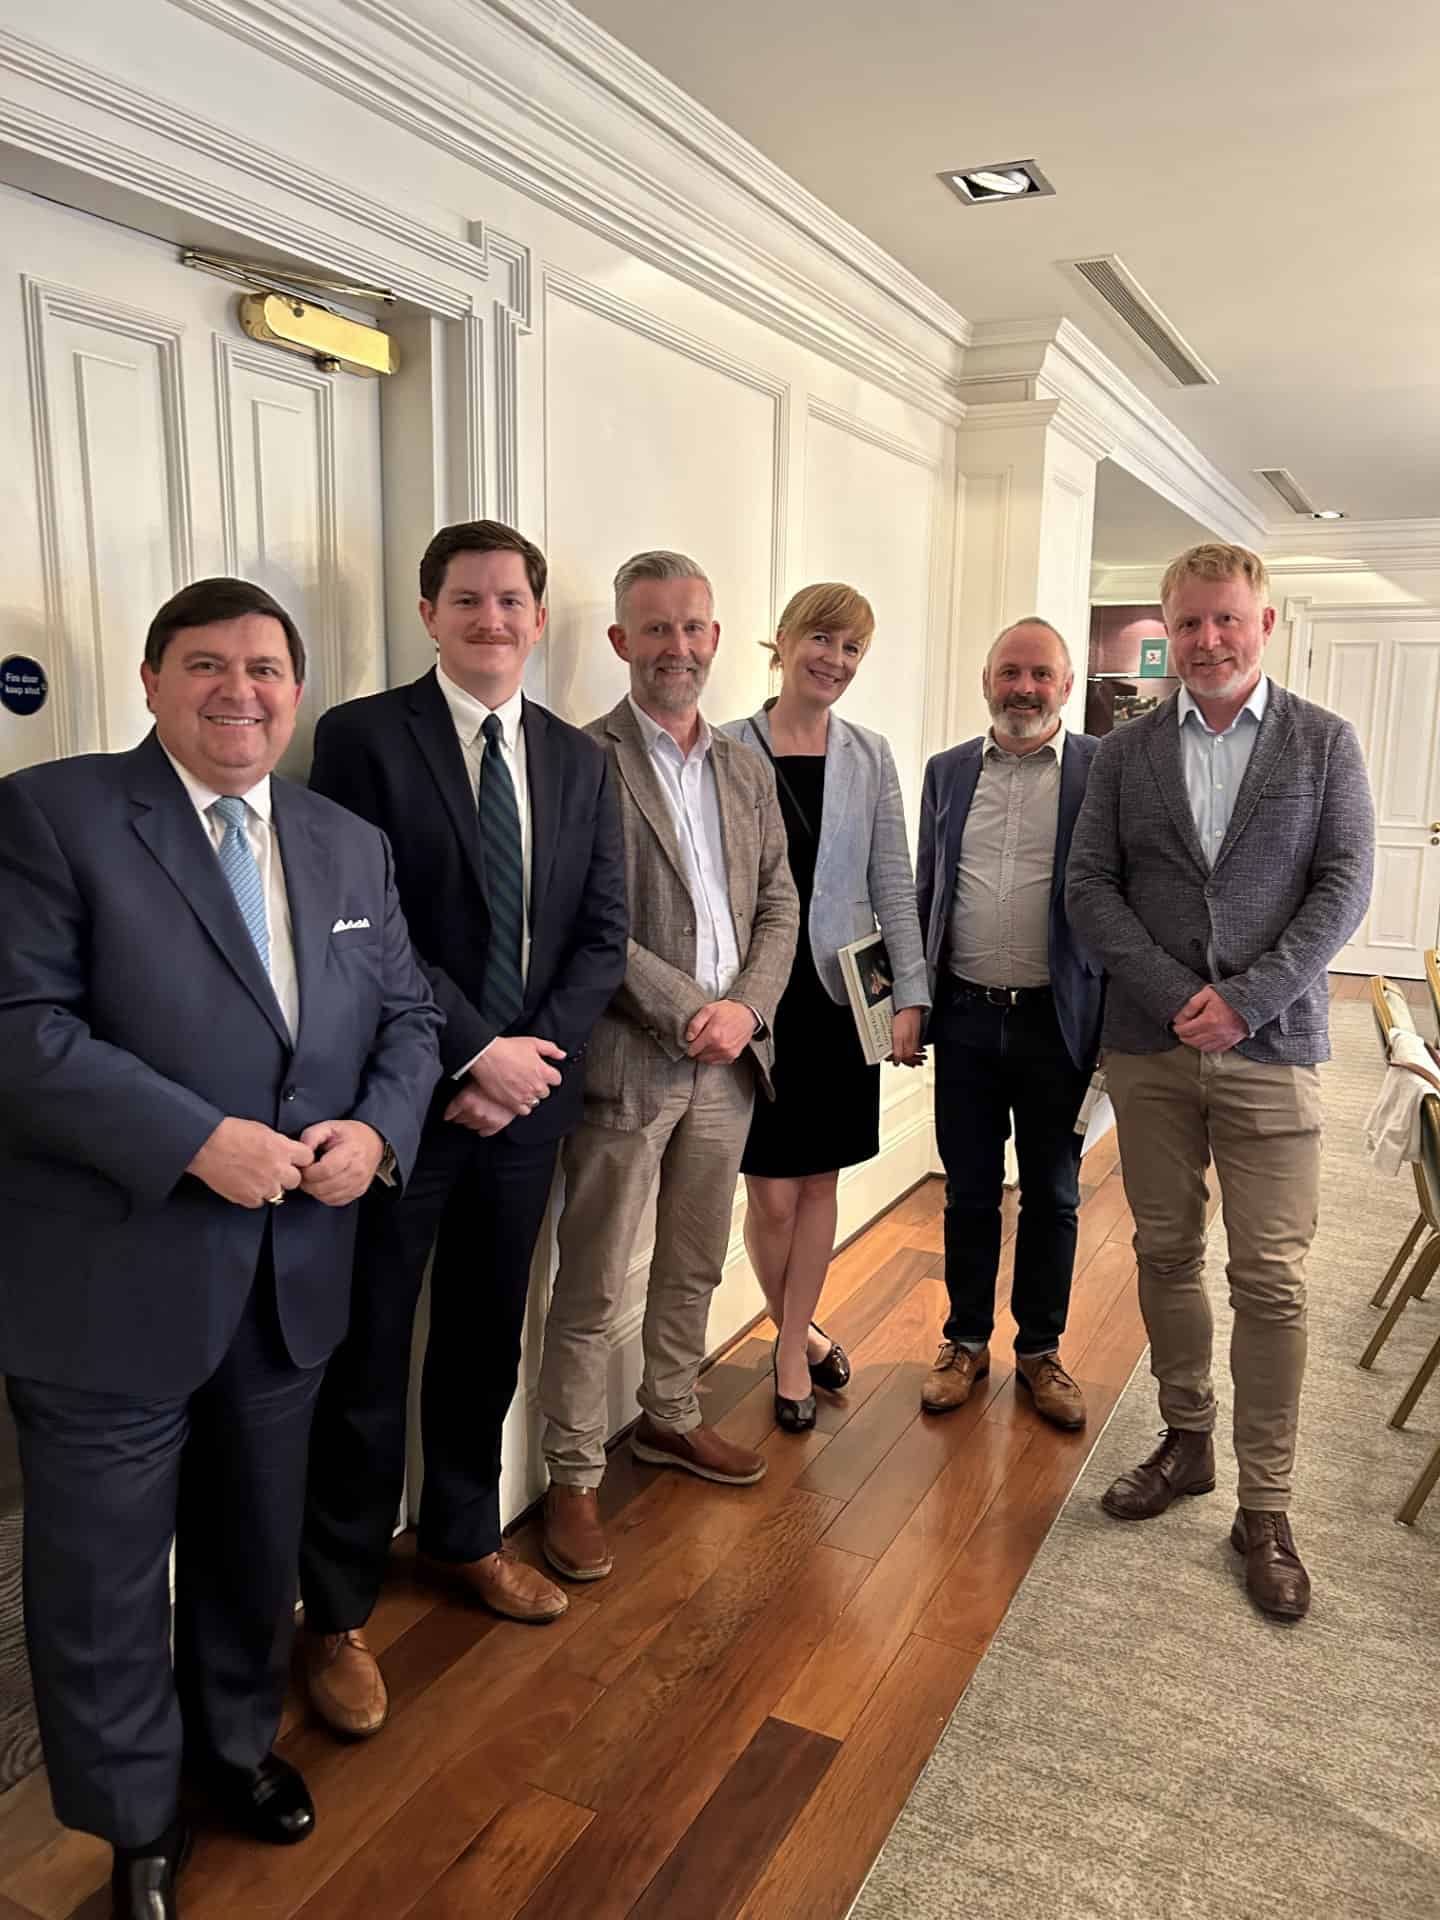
(1290, 883)
(134, 1017)
(394, 759)
(1075, 974)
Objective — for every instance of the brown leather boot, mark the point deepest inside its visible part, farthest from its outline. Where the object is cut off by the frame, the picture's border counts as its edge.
(951, 1380)
(347, 1688)
(1275, 1576)
(573, 1539)
(1057, 1398)
(1184, 1462)
(701, 1451)
(505, 1584)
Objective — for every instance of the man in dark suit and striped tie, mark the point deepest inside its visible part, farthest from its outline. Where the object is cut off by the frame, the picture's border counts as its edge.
(508, 859)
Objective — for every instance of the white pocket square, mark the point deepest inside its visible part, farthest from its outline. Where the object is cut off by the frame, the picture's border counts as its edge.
(349, 926)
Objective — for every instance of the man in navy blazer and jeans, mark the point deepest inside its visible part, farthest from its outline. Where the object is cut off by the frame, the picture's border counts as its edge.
(1016, 1021)
(213, 1036)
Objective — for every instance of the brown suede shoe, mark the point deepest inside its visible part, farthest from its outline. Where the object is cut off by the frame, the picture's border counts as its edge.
(702, 1451)
(347, 1688)
(504, 1584)
(1056, 1396)
(1184, 1462)
(574, 1540)
(1275, 1576)
(951, 1380)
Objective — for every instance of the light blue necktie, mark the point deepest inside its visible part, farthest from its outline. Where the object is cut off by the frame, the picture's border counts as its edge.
(237, 863)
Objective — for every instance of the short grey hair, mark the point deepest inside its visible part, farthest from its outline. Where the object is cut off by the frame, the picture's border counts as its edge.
(658, 564)
(1030, 620)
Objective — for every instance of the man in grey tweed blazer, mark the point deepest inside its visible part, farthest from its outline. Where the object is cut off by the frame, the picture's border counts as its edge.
(1222, 856)
(673, 1067)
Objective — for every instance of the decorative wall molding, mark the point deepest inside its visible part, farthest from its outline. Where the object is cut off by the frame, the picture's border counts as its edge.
(258, 219)
(607, 306)
(79, 723)
(1352, 546)
(512, 320)
(534, 149)
(846, 422)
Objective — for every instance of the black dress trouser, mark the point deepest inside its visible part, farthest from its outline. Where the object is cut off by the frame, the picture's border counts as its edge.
(480, 1203)
(109, 1479)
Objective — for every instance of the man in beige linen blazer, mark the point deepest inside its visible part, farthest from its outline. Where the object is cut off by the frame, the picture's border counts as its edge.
(675, 1063)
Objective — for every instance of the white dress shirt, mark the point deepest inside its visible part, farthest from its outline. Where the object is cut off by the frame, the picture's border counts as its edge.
(693, 801)
(469, 716)
(1215, 763)
(999, 926)
(265, 845)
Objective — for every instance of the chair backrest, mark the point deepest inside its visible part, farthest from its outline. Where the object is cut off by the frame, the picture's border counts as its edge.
(1391, 1010)
(1432, 980)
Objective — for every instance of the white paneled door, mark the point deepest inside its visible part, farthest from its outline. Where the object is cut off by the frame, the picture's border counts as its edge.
(1381, 669)
(144, 443)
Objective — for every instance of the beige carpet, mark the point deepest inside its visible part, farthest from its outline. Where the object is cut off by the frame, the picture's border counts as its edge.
(1138, 1742)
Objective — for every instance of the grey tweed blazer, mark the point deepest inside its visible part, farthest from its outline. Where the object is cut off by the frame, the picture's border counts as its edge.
(862, 865)
(642, 1033)
(1290, 883)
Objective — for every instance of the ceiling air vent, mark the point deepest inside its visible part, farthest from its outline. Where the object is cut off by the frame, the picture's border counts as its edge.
(1107, 275)
(1288, 488)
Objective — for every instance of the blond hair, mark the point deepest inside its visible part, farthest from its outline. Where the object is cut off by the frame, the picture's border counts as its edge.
(828, 607)
(1217, 560)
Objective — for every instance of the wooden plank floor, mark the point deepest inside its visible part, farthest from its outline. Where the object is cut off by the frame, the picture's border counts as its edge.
(729, 1724)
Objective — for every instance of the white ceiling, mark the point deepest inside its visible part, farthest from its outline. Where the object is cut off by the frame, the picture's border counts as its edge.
(1270, 174)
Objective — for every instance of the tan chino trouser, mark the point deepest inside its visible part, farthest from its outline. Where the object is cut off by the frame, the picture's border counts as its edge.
(1260, 1122)
(694, 1144)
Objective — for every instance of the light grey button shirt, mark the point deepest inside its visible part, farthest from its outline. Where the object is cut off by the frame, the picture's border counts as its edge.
(1215, 763)
(688, 784)
(999, 927)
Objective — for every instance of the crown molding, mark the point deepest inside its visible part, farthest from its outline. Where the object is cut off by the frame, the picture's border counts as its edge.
(633, 184)
(1352, 546)
(1049, 357)
(1058, 412)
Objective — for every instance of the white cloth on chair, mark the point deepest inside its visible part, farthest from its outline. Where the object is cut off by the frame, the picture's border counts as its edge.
(1392, 1127)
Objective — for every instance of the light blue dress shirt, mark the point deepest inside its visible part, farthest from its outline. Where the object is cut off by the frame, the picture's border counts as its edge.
(688, 784)
(1215, 763)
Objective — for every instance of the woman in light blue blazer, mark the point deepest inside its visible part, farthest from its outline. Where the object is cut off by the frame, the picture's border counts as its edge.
(848, 852)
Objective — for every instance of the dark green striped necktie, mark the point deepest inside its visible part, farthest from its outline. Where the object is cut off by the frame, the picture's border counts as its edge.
(503, 993)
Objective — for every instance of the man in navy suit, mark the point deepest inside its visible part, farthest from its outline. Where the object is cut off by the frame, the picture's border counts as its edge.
(508, 855)
(1016, 1021)
(213, 1036)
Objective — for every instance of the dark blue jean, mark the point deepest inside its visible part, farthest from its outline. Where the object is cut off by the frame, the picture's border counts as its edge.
(992, 1062)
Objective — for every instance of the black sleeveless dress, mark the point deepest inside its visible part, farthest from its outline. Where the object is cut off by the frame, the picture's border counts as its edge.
(826, 1110)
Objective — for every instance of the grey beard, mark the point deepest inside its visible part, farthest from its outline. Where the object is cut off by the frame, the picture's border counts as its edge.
(672, 695)
(1021, 723)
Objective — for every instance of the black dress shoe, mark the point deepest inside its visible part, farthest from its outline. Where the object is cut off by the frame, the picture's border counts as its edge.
(142, 1880)
(794, 1416)
(833, 1372)
(270, 1801)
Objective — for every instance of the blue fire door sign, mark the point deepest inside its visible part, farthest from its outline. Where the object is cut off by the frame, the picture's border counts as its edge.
(23, 685)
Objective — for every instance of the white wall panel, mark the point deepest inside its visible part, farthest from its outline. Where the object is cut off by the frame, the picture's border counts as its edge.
(654, 440)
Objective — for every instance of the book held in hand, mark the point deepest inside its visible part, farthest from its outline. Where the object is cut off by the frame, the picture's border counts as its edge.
(870, 984)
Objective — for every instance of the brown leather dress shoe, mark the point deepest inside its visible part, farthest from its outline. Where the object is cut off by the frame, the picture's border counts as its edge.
(1275, 1576)
(506, 1585)
(1057, 1398)
(701, 1451)
(346, 1686)
(951, 1380)
(1184, 1462)
(573, 1540)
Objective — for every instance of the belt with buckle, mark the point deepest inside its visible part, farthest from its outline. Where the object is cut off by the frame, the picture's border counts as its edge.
(996, 996)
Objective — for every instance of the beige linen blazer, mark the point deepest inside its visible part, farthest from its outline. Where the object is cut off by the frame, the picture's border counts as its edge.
(641, 1036)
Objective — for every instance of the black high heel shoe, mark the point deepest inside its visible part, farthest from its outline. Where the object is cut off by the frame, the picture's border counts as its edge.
(795, 1416)
(833, 1372)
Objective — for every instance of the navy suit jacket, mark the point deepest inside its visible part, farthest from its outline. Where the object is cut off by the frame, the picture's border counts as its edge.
(1075, 975)
(395, 759)
(134, 1016)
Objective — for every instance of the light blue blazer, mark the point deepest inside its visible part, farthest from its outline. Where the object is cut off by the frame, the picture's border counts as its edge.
(862, 868)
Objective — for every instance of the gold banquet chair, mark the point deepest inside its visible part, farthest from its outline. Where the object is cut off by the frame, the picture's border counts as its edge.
(1392, 1010)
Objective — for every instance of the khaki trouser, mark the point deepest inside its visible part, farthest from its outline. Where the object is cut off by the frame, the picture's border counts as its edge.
(694, 1144)
(1260, 1122)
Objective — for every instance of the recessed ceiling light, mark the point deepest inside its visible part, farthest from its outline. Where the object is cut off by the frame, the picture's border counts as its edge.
(1327, 513)
(1000, 180)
